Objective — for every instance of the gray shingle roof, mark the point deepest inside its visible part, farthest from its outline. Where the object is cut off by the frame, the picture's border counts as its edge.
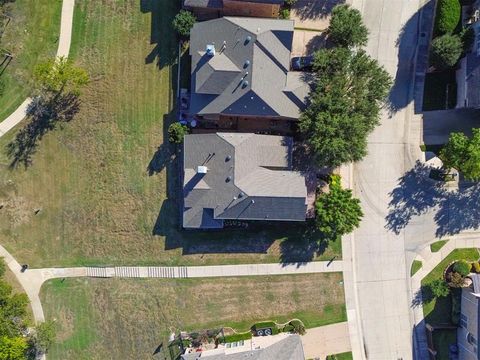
(248, 74)
(289, 348)
(473, 80)
(248, 177)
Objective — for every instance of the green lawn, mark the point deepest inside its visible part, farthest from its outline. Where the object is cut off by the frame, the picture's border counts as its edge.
(436, 246)
(128, 319)
(31, 36)
(106, 182)
(437, 311)
(416, 265)
(342, 356)
(439, 86)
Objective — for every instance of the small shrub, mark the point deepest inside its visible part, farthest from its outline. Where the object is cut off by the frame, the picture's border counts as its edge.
(288, 328)
(447, 16)
(456, 280)
(284, 14)
(176, 133)
(462, 267)
(476, 267)
(298, 327)
(445, 52)
(183, 22)
(264, 324)
(439, 288)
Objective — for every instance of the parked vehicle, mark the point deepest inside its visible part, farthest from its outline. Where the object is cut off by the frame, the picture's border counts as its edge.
(302, 63)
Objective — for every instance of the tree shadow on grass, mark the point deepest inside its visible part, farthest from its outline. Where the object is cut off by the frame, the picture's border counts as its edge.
(422, 296)
(43, 115)
(162, 34)
(316, 9)
(459, 211)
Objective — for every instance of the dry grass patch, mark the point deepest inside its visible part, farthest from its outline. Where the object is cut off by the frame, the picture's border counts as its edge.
(128, 319)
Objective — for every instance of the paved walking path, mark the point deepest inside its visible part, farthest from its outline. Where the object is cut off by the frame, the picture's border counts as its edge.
(429, 262)
(63, 50)
(326, 340)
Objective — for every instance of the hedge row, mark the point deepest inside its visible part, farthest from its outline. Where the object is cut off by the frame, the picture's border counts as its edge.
(236, 337)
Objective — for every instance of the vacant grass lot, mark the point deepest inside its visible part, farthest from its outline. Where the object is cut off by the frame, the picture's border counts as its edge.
(31, 37)
(128, 319)
(105, 182)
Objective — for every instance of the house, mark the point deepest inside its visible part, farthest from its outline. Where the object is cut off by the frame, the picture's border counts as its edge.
(240, 176)
(468, 74)
(210, 9)
(240, 69)
(468, 332)
(287, 347)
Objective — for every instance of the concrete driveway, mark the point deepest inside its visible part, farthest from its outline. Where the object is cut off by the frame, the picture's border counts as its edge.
(305, 42)
(326, 340)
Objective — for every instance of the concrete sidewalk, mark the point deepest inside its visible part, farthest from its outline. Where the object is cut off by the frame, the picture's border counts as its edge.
(326, 340)
(66, 24)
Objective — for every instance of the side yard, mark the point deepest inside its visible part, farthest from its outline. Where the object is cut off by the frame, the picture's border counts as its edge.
(31, 36)
(129, 319)
(105, 182)
(439, 311)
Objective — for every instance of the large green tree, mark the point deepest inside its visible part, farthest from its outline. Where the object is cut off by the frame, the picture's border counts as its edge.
(13, 348)
(343, 108)
(346, 27)
(338, 212)
(463, 154)
(60, 76)
(445, 52)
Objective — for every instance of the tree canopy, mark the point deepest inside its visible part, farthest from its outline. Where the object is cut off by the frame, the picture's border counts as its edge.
(338, 212)
(183, 22)
(346, 27)
(445, 52)
(463, 154)
(176, 132)
(60, 76)
(344, 105)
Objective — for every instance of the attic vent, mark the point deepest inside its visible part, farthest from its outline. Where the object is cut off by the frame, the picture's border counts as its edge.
(202, 170)
(245, 83)
(248, 39)
(228, 158)
(228, 179)
(210, 50)
(241, 195)
(247, 64)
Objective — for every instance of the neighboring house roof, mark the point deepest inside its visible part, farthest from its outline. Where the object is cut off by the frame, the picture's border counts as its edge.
(218, 4)
(248, 177)
(289, 348)
(472, 80)
(249, 73)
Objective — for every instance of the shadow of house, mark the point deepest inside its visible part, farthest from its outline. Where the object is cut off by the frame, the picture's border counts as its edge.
(162, 35)
(413, 46)
(315, 9)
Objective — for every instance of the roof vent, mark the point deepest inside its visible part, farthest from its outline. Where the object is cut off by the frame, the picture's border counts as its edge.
(210, 50)
(248, 39)
(247, 64)
(228, 179)
(202, 170)
(253, 201)
(245, 83)
(228, 158)
(241, 195)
